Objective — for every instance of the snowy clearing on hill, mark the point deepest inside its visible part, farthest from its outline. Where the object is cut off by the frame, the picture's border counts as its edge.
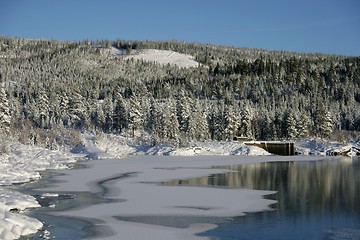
(165, 57)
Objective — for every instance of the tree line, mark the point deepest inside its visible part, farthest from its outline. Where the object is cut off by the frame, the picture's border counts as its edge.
(52, 87)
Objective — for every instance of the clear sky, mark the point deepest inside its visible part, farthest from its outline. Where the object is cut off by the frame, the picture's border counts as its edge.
(324, 26)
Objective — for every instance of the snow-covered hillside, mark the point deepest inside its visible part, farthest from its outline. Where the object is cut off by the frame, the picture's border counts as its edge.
(165, 57)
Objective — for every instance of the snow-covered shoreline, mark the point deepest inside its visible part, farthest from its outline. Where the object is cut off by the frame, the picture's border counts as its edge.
(20, 163)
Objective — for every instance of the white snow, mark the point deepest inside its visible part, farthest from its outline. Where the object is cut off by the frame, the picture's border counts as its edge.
(108, 146)
(321, 147)
(165, 57)
(12, 224)
(18, 164)
(21, 163)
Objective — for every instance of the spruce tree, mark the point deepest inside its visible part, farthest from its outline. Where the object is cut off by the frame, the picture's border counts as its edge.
(42, 104)
(172, 124)
(326, 125)
(108, 110)
(183, 111)
(5, 116)
(291, 126)
(231, 123)
(245, 125)
(120, 119)
(77, 109)
(136, 116)
(64, 108)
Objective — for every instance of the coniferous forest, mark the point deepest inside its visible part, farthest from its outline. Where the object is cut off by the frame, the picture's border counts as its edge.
(52, 90)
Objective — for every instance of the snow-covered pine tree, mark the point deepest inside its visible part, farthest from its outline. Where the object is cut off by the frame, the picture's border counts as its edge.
(291, 125)
(136, 116)
(326, 125)
(155, 124)
(245, 124)
(266, 125)
(192, 130)
(277, 128)
(77, 110)
(231, 123)
(54, 117)
(324, 121)
(151, 114)
(120, 119)
(42, 104)
(98, 117)
(173, 125)
(108, 110)
(218, 121)
(5, 115)
(304, 125)
(202, 123)
(198, 124)
(183, 111)
(64, 108)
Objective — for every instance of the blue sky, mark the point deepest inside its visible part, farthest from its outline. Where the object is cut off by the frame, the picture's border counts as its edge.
(324, 26)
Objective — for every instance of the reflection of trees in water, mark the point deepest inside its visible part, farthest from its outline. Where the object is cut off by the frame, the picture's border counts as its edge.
(319, 186)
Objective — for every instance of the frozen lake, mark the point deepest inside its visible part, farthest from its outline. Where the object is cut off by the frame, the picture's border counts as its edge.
(315, 198)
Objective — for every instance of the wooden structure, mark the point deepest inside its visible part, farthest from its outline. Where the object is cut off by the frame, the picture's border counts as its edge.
(277, 148)
(241, 139)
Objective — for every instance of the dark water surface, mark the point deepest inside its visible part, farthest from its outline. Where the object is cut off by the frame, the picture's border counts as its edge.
(316, 200)
(59, 227)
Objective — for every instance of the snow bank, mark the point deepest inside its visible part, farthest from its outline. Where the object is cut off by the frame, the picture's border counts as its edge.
(21, 163)
(18, 164)
(322, 147)
(12, 224)
(220, 148)
(165, 57)
(111, 146)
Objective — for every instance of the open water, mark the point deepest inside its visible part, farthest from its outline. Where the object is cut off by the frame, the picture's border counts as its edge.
(316, 200)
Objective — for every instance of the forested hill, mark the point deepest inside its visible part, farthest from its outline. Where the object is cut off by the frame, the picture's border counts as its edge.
(51, 86)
